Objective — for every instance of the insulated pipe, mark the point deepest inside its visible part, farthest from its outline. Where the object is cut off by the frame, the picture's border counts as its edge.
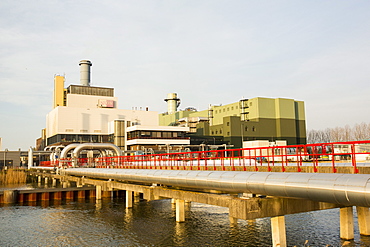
(68, 148)
(30, 157)
(344, 189)
(96, 146)
(59, 148)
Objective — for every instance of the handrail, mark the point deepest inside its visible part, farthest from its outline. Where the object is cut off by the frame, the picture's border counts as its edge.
(317, 154)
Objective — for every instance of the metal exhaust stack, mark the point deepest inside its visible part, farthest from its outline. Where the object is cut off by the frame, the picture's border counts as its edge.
(172, 103)
(85, 72)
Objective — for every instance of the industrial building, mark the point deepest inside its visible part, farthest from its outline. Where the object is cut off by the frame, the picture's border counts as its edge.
(84, 113)
(245, 120)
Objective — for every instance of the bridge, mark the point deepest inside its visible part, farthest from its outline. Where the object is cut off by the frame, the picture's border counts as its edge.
(252, 183)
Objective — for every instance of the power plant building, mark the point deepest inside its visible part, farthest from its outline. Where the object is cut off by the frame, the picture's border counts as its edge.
(83, 113)
(246, 120)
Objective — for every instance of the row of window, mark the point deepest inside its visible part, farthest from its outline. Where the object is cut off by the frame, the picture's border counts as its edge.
(79, 138)
(154, 134)
(225, 109)
(228, 133)
(231, 108)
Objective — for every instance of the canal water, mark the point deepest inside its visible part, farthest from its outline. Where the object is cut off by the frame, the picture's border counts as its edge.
(109, 223)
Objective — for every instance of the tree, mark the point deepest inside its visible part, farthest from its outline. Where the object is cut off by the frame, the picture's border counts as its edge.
(340, 134)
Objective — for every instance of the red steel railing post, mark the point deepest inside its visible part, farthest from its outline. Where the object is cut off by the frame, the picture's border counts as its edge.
(353, 158)
(299, 159)
(334, 170)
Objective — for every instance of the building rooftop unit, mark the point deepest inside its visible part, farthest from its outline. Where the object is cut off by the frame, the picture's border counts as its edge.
(89, 90)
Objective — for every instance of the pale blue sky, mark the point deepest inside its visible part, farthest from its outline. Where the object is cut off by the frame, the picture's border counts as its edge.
(209, 52)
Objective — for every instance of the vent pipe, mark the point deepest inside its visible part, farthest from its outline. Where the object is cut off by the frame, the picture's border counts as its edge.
(85, 72)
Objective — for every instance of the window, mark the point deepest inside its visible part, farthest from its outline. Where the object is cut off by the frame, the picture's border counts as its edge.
(228, 109)
(253, 128)
(232, 108)
(220, 131)
(228, 133)
(156, 134)
(246, 128)
(224, 109)
(228, 124)
(145, 134)
(167, 134)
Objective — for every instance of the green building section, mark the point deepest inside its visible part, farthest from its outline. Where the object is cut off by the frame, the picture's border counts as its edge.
(249, 119)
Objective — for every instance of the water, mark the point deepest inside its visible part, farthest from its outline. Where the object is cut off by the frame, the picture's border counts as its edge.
(109, 223)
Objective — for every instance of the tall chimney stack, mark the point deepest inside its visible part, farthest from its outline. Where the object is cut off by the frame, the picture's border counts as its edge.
(85, 72)
(172, 103)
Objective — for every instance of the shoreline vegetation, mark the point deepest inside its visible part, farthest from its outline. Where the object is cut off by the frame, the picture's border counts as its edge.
(13, 176)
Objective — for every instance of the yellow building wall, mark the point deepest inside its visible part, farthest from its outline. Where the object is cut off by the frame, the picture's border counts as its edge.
(58, 91)
(219, 112)
(262, 108)
(285, 108)
(199, 114)
(300, 111)
(168, 119)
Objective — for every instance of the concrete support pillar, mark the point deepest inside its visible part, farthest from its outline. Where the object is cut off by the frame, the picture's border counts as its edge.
(233, 221)
(79, 184)
(39, 179)
(46, 180)
(180, 210)
(98, 192)
(136, 196)
(346, 223)
(278, 231)
(128, 199)
(65, 185)
(173, 201)
(54, 182)
(363, 215)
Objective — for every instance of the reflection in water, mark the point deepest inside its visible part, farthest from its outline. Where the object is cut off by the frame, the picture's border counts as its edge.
(109, 223)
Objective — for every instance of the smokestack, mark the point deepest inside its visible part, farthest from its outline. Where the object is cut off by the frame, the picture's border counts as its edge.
(85, 72)
(172, 103)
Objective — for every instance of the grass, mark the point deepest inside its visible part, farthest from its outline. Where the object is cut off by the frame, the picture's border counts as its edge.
(13, 176)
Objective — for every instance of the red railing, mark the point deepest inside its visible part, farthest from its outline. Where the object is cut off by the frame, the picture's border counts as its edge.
(324, 154)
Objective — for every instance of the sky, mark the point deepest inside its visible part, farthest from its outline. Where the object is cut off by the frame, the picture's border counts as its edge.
(206, 51)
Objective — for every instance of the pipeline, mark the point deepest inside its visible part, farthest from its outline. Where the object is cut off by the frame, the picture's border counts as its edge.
(344, 189)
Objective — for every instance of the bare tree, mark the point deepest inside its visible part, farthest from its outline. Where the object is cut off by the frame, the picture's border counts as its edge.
(347, 133)
(339, 134)
(336, 134)
(318, 136)
(361, 131)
